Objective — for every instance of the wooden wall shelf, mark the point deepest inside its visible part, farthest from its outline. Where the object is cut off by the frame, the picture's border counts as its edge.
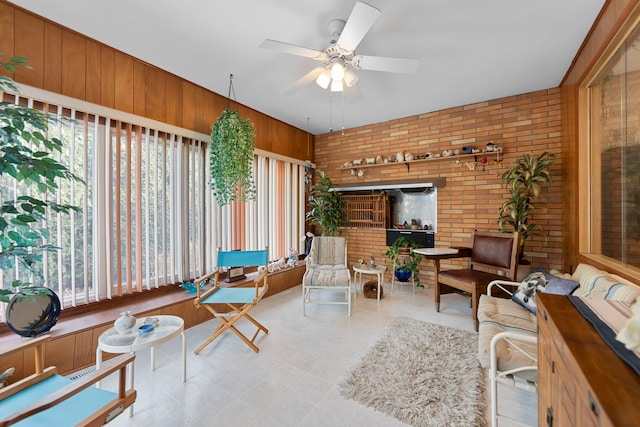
(408, 163)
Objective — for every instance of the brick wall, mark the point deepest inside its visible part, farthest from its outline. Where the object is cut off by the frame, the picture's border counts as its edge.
(527, 123)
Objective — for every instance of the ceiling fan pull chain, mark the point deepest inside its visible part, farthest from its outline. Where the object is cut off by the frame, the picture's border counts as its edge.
(330, 112)
(342, 99)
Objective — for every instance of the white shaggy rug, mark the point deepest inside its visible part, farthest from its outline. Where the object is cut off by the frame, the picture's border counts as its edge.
(422, 374)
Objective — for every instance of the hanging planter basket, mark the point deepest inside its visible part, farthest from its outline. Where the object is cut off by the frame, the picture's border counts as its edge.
(232, 147)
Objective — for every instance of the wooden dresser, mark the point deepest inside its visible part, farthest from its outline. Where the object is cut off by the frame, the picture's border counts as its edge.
(581, 381)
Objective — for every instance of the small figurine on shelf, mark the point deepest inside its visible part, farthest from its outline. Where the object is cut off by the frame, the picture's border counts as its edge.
(372, 263)
(293, 257)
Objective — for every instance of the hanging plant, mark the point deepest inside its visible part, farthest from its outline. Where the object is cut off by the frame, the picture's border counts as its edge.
(232, 158)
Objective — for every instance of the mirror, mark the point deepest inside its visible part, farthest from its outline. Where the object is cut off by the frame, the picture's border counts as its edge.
(32, 315)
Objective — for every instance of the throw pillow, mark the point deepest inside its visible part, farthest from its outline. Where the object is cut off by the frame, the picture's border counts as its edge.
(557, 283)
(525, 295)
(559, 286)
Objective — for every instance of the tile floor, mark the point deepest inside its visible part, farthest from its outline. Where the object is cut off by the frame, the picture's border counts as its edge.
(293, 380)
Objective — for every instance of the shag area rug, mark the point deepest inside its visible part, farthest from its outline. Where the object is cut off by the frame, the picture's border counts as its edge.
(422, 374)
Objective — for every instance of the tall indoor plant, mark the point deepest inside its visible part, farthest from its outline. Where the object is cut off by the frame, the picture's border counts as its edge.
(326, 207)
(524, 182)
(28, 164)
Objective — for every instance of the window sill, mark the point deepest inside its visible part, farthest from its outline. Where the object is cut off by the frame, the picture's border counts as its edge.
(102, 314)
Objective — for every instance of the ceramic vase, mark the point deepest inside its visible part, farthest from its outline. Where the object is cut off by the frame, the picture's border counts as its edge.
(125, 323)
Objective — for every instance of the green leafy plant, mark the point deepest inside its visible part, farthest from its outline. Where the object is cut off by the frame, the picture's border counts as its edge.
(403, 258)
(232, 146)
(26, 164)
(524, 182)
(326, 207)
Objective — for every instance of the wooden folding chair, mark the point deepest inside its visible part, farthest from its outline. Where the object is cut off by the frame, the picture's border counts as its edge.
(240, 300)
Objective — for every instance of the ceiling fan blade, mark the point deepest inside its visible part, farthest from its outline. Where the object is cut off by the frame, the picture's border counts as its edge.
(381, 63)
(303, 81)
(360, 21)
(292, 49)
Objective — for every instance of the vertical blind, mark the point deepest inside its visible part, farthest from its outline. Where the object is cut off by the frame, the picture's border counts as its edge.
(148, 216)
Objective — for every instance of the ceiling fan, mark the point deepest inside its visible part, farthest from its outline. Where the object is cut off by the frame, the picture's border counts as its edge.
(339, 59)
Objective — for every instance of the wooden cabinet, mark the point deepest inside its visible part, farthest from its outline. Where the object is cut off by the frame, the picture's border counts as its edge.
(581, 381)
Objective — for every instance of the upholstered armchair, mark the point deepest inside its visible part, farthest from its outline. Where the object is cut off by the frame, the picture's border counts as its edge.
(327, 272)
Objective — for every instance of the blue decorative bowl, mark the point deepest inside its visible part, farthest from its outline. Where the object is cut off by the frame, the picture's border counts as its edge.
(146, 329)
(191, 287)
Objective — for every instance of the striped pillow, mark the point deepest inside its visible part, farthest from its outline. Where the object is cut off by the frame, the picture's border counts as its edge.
(598, 284)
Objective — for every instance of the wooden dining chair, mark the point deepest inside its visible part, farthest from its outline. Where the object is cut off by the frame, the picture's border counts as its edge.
(494, 256)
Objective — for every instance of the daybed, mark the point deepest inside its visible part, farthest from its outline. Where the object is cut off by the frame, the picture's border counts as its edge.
(507, 342)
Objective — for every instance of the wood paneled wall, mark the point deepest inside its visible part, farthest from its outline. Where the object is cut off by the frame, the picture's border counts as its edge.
(574, 126)
(74, 65)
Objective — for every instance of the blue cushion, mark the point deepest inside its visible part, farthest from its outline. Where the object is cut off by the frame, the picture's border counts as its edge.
(69, 412)
(539, 280)
(559, 286)
(556, 285)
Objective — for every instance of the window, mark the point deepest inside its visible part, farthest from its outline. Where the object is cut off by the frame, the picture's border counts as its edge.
(148, 217)
(614, 217)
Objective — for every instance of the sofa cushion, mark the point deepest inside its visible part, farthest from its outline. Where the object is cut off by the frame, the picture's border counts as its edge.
(501, 315)
(327, 275)
(598, 284)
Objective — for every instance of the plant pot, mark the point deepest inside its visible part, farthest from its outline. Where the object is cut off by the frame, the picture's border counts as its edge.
(402, 275)
(523, 270)
(405, 251)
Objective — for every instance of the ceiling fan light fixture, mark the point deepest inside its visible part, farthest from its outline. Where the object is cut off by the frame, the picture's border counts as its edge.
(324, 79)
(350, 78)
(337, 71)
(336, 86)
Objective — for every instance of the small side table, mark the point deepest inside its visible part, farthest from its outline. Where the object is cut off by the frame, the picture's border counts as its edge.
(169, 327)
(360, 269)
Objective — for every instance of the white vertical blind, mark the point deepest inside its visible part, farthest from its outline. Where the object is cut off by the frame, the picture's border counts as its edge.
(148, 216)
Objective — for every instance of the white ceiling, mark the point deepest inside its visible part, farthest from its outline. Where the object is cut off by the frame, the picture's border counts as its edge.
(469, 50)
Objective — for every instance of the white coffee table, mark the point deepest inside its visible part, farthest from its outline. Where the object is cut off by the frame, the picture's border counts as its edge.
(360, 269)
(169, 327)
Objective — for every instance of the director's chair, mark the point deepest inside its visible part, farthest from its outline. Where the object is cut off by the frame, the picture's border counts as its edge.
(239, 299)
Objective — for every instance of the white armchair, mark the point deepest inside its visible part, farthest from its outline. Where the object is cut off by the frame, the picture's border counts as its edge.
(327, 270)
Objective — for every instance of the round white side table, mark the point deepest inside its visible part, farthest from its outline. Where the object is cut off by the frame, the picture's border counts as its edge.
(360, 269)
(169, 327)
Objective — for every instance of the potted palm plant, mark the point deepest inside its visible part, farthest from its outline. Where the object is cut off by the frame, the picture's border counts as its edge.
(326, 207)
(404, 260)
(524, 182)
